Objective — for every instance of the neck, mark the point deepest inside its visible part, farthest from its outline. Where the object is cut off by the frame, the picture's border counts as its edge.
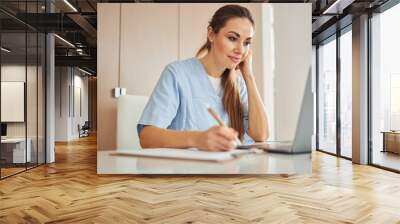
(211, 65)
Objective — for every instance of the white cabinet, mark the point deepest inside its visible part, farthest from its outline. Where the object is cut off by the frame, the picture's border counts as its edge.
(15, 148)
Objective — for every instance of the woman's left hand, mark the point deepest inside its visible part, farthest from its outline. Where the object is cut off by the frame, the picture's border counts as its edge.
(246, 66)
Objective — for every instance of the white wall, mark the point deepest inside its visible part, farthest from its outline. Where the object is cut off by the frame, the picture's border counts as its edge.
(292, 64)
(79, 117)
(154, 35)
(17, 73)
(67, 81)
(62, 80)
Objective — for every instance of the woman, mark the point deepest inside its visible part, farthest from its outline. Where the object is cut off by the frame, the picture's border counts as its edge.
(176, 115)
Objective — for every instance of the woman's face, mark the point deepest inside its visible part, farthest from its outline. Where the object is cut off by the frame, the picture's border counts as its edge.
(232, 43)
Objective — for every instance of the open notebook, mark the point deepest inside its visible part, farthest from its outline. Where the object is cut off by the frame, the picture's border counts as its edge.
(185, 154)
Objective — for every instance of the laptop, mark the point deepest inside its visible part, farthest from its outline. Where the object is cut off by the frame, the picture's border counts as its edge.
(304, 130)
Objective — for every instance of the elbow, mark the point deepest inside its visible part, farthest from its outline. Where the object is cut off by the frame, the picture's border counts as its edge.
(144, 139)
(264, 137)
(260, 136)
(144, 144)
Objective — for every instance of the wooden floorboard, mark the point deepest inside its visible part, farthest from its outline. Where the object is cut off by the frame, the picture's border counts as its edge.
(70, 191)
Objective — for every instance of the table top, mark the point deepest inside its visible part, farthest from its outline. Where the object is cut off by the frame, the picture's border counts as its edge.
(391, 132)
(265, 163)
(13, 140)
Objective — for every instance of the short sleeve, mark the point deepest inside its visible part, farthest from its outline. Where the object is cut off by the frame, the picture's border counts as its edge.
(245, 103)
(163, 104)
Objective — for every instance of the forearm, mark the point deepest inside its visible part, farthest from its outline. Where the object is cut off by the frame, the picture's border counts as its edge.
(258, 122)
(154, 137)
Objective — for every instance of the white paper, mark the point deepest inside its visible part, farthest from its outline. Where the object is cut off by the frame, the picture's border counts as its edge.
(190, 154)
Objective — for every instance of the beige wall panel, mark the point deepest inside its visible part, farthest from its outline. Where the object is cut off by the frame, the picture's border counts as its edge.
(107, 67)
(149, 42)
(193, 24)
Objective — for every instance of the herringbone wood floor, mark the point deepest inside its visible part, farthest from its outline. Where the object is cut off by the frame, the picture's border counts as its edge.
(70, 191)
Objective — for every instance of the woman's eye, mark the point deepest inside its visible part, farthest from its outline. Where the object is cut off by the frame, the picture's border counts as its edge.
(247, 43)
(232, 38)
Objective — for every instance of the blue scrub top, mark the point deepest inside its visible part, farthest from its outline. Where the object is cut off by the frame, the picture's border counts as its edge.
(179, 100)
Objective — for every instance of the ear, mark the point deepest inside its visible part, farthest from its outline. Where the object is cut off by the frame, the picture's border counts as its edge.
(210, 34)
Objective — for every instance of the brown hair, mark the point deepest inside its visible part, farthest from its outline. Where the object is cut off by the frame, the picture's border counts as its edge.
(231, 100)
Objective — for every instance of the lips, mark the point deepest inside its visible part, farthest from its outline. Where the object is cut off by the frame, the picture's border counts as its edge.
(234, 59)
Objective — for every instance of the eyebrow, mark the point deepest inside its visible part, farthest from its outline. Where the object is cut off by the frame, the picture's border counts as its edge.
(238, 35)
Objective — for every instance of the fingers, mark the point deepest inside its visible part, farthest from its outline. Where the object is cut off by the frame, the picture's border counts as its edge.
(227, 133)
(249, 53)
(221, 139)
(222, 145)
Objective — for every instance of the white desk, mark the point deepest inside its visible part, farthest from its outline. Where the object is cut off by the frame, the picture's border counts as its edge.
(18, 150)
(268, 163)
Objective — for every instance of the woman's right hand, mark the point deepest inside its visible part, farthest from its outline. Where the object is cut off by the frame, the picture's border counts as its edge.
(217, 138)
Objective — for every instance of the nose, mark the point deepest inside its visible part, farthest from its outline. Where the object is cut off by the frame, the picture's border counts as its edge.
(239, 49)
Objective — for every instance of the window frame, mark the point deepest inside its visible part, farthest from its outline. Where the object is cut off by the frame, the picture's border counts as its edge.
(334, 37)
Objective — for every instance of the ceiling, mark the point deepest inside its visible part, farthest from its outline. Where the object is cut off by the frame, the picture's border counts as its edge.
(76, 22)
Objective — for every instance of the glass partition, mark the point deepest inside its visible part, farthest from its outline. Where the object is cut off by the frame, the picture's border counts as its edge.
(22, 77)
(32, 96)
(41, 107)
(14, 154)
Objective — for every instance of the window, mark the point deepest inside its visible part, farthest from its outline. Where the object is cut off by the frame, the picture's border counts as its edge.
(327, 96)
(346, 93)
(394, 102)
(385, 88)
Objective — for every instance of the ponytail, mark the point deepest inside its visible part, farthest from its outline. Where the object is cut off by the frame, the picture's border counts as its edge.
(203, 49)
(232, 102)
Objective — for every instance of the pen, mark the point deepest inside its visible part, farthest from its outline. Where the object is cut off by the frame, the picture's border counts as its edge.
(220, 122)
(250, 151)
